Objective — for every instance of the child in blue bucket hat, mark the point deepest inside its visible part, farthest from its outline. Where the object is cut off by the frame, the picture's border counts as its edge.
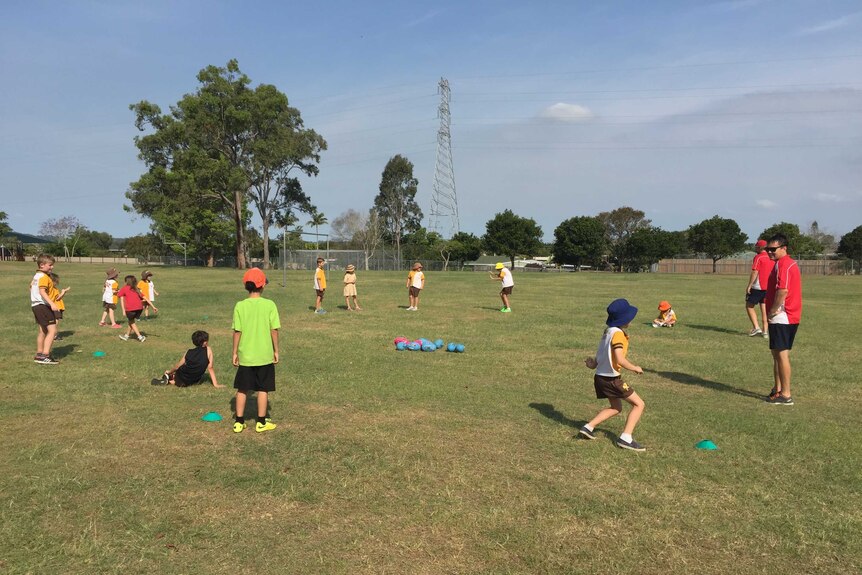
(610, 359)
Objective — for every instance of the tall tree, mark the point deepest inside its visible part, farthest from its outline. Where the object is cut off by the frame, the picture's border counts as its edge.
(619, 225)
(798, 243)
(462, 247)
(282, 148)
(850, 245)
(717, 238)
(345, 227)
(317, 220)
(396, 203)
(4, 225)
(825, 240)
(66, 231)
(510, 235)
(647, 246)
(223, 145)
(579, 241)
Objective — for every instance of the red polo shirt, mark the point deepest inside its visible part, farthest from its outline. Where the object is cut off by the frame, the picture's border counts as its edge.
(786, 276)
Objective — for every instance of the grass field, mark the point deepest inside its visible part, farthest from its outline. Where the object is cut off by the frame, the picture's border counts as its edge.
(409, 462)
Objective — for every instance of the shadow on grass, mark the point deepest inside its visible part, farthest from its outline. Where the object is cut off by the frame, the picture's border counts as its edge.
(250, 407)
(689, 379)
(63, 350)
(550, 412)
(488, 308)
(718, 329)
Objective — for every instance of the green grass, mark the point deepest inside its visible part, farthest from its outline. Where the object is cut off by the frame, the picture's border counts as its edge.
(400, 462)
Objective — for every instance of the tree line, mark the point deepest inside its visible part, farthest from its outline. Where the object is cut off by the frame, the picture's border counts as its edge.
(228, 150)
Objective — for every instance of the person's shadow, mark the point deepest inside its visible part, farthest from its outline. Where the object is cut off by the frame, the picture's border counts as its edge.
(551, 413)
(714, 328)
(251, 407)
(63, 351)
(689, 379)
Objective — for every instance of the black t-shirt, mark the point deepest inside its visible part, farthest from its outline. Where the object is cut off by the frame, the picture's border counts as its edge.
(193, 369)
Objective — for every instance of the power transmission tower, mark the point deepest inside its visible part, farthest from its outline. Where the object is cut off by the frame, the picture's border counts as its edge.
(444, 202)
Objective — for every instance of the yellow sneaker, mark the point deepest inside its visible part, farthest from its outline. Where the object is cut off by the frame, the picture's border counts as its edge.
(239, 427)
(268, 426)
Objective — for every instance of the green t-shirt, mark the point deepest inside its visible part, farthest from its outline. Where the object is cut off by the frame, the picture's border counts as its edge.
(254, 318)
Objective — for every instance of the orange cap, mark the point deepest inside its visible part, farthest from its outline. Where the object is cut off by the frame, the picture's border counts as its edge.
(255, 276)
(663, 305)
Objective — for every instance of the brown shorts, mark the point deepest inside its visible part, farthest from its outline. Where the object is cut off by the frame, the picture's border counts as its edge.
(507, 290)
(44, 315)
(320, 293)
(108, 306)
(58, 314)
(611, 387)
(414, 291)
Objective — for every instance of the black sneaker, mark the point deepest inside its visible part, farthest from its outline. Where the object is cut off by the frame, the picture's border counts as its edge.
(780, 400)
(47, 360)
(584, 432)
(632, 445)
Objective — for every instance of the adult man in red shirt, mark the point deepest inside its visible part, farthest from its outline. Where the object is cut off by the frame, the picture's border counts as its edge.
(784, 302)
(755, 293)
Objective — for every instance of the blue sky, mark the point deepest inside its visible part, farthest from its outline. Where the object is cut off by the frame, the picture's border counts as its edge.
(749, 109)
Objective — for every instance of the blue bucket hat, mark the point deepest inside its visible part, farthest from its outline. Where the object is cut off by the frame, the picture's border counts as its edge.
(620, 313)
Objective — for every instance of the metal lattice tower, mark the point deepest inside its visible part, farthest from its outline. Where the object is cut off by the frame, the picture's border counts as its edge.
(444, 202)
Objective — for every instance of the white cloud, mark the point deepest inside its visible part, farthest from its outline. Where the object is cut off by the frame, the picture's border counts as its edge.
(766, 204)
(830, 198)
(566, 112)
(829, 25)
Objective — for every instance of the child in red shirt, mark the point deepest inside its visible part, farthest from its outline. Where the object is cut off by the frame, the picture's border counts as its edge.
(133, 304)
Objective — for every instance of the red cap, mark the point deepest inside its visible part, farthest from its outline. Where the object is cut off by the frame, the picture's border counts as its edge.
(255, 276)
(760, 244)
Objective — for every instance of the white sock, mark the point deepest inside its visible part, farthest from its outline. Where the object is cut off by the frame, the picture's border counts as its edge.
(627, 437)
(588, 427)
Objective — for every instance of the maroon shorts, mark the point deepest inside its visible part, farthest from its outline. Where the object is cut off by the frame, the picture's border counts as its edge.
(44, 315)
(611, 387)
(58, 314)
(414, 291)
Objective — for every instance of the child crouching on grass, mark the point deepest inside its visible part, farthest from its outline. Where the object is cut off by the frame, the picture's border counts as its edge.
(192, 366)
(609, 360)
(666, 315)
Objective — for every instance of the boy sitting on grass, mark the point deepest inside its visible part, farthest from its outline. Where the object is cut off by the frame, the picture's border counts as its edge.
(192, 366)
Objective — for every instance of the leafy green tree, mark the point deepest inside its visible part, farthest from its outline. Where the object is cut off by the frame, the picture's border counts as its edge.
(579, 241)
(647, 246)
(143, 247)
(221, 146)
(396, 205)
(421, 244)
(461, 248)
(281, 149)
(317, 220)
(798, 244)
(717, 238)
(510, 235)
(4, 225)
(619, 225)
(850, 245)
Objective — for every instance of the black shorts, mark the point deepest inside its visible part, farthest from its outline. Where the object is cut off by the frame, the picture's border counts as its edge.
(183, 379)
(611, 387)
(756, 296)
(44, 315)
(507, 290)
(255, 378)
(133, 315)
(781, 335)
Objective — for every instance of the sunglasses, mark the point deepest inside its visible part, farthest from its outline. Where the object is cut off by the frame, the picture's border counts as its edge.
(773, 250)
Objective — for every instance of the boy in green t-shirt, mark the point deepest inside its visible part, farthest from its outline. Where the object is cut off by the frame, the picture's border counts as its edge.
(255, 349)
